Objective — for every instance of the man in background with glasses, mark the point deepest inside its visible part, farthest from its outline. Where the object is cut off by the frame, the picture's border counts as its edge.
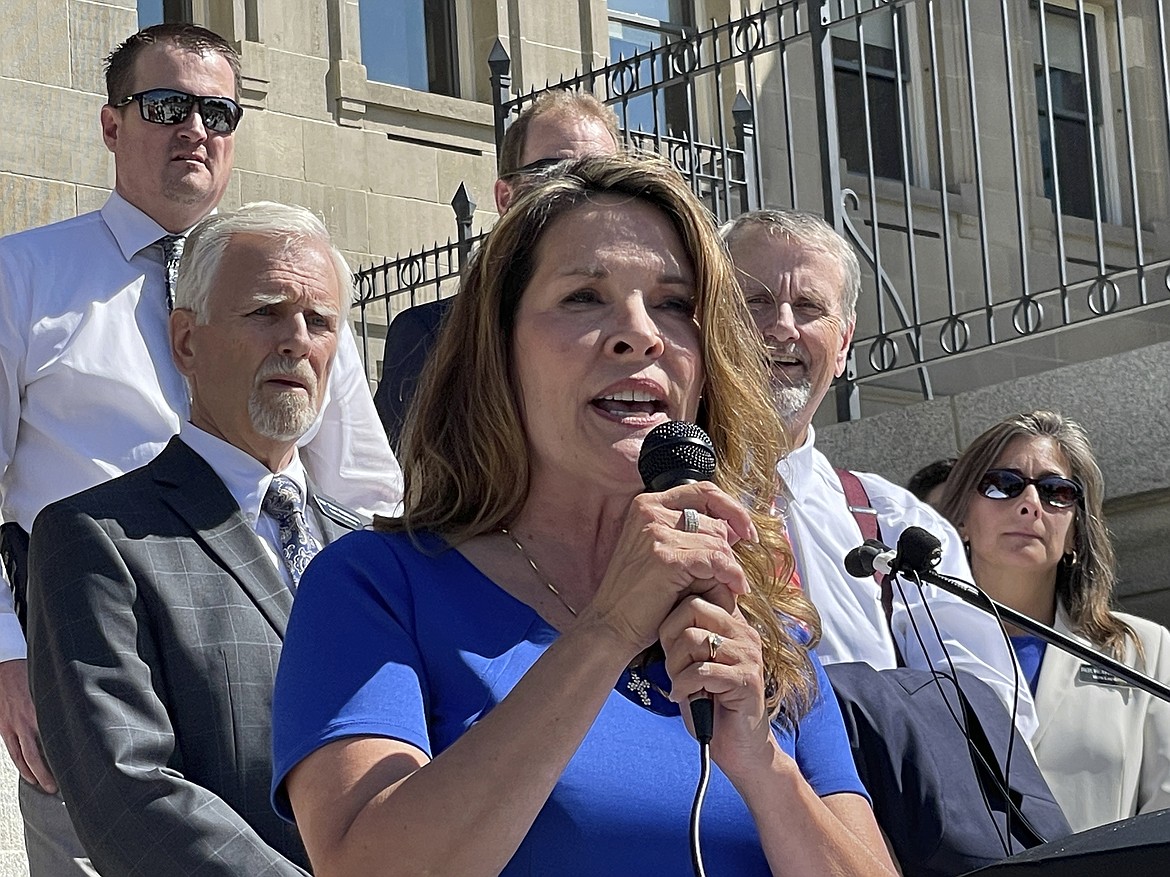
(939, 813)
(557, 126)
(88, 390)
(801, 279)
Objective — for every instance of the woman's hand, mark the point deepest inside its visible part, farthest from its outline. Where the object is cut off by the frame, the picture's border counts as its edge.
(712, 651)
(657, 562)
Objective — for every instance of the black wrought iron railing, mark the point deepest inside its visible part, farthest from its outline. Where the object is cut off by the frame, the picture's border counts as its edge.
(1002, 166)
(383, 291)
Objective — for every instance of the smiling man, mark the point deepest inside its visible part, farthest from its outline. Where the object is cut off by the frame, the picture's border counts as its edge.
(801, 281)
(88, 389)
(160, 598)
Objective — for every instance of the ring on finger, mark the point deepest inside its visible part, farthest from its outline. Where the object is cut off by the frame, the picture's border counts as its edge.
(714, 641)
(690, 521)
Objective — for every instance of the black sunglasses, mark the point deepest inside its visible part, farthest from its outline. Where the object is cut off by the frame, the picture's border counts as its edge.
(1055, 491)
(167, 106)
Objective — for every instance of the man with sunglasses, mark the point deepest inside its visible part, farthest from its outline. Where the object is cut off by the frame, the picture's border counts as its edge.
(557, 126)
(88, 390)
(801, 280)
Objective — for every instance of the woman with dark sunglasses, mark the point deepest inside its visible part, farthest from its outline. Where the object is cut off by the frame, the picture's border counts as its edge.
(1026, 497)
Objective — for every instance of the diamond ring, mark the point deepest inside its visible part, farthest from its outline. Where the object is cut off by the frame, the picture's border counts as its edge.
(714, 641)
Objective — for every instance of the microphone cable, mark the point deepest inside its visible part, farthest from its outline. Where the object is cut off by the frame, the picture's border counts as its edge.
(1011, 808)
(918, 544)
(1014, 711)
(978, 759)
(962, 724)
(703, 718)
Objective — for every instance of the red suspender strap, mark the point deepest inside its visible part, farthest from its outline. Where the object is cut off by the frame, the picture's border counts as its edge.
(867, 522)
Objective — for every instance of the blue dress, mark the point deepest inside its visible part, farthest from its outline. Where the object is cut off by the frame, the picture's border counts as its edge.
(389, 641)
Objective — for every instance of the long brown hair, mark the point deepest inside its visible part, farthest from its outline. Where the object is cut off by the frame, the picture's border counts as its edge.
(464, 451)
(1086, 579)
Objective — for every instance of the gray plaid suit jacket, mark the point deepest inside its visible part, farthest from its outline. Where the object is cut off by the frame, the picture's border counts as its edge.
(155, 628)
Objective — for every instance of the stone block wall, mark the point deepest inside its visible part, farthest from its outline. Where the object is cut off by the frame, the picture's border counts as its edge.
(380, 163)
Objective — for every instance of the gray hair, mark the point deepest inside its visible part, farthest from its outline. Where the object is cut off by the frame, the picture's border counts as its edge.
(811, 232)
(293, 226)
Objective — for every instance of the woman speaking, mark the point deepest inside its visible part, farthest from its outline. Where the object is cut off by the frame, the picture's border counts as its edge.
(455, 695)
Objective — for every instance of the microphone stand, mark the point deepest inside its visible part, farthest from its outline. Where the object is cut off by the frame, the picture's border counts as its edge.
(977, 598)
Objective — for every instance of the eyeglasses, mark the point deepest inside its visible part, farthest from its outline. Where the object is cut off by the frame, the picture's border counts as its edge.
(538, 167)
(167, 106)
(1054, 491)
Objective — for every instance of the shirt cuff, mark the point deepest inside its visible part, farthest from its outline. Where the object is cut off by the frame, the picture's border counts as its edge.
(12, 644)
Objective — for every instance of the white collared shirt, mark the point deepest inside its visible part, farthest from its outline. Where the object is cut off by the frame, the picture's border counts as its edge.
(247, 480)
(88, 389)
(823, 530)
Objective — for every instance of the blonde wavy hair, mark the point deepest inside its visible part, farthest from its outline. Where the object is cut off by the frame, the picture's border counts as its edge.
(464, 451)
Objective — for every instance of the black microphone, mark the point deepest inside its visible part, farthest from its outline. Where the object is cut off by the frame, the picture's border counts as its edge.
(676, 453)
(869, 558)
(919, 551)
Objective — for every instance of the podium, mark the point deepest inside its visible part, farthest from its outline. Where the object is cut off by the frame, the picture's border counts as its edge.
(1135, 847)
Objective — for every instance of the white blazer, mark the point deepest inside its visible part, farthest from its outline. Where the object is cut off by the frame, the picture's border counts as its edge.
(1104, 748)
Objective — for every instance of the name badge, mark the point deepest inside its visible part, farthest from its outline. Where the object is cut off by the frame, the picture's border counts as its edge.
(1096, 676)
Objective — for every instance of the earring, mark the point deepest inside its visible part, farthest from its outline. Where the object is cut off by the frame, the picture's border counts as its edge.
(1070, 558)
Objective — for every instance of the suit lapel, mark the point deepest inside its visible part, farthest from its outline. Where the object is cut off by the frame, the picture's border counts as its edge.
(1057, 677)
(190, 487)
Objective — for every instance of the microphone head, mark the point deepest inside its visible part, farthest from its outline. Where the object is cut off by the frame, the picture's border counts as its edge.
(918, 550)
(674, 453)
(859, 562)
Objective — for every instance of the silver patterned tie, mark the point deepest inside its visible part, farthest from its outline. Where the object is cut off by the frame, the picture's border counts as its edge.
(297, 545)
(172, 247)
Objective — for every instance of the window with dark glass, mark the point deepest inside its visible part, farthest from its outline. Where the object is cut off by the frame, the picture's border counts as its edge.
(163, 11)
(638, 26)
(410, 43)
(882, 81)
(1073, 94)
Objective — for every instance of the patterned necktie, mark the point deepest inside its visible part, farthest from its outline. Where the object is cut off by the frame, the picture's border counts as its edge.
(172, 247)
(297, 545)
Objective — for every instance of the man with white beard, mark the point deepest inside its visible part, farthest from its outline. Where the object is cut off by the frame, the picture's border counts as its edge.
(158, 600)
(801, 279)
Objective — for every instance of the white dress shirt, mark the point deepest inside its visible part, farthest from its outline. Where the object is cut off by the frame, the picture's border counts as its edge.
(823, 531)
(247, 480)
(88, 389)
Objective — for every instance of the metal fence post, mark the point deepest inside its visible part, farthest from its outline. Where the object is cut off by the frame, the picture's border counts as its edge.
(464, 209)
(745, 142)
(848, 399)
(500, 66)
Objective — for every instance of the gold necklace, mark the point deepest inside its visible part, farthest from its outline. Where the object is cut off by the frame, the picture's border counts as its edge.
(638, 683)
(536, 569)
